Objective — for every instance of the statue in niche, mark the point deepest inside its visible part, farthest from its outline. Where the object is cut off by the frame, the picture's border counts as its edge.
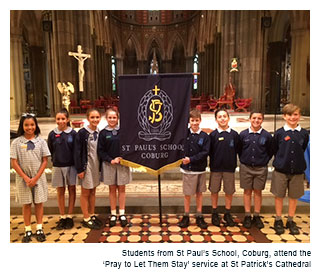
(65, 90)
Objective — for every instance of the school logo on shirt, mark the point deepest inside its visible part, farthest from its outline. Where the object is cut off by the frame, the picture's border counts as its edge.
(155, 115)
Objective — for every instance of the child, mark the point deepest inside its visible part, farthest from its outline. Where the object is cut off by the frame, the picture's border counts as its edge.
(290, 142)
(224, 145)
(29, 156)
(60, 142)
(87, 166)
(254, 155)
(113, 174)
(193, 168)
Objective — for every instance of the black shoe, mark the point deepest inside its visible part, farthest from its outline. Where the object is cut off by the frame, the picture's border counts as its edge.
(228, 218)
(184, 222)
(61, 224)
(27, 237)
(292, 226)
(90, 224)
(123, 220)
(247, 221)
(96, 220)
(256, 220)
(40, 235)
(200, 222)
(215, 219)
(112, 221)
(68, 223)
(278, 227)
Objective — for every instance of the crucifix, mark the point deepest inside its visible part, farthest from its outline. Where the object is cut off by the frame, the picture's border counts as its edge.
(81, 57)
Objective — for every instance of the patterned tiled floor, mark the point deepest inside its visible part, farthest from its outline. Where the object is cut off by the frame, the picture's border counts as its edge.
(146, 229)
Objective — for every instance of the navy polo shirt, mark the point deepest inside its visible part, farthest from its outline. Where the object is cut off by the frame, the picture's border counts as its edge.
(224, 146)
(61, 145)
(196, 147)
(289, 146)
(109, 144)
(256, 147)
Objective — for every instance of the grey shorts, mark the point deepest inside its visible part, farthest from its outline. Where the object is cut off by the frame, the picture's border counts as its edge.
(228, 182)
(115, 174)
(253, 178)
(281, 182)
(194, 183)
(63, 176)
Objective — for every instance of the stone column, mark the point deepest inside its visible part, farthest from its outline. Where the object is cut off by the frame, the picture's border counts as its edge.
(300, 81)
(189, 64)
(250, 54)
(228, 45)
(17, 84)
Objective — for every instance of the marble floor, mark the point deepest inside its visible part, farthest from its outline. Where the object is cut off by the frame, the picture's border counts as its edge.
(146, 228)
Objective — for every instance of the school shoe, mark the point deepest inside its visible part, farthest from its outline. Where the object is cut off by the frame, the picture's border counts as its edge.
(68, 223)
(184, 222)
(112, 221)
(61, 224)
(228, 218)
(40, 235)
(96, 220)
(278, 227)
(90, 224)
(200, 222)
(247, 221)
(292, 226)
(256, 220)
(123, 220)
(215, 219)
(27, 237)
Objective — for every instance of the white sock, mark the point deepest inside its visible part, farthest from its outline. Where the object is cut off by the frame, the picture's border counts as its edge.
(69, 216)
(63, 216)
(39, 226)
(113, 212)
(86, 219)
(27, 228)
(121, 211)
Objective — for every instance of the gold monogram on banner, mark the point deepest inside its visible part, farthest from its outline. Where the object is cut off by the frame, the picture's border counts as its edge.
(155, 114)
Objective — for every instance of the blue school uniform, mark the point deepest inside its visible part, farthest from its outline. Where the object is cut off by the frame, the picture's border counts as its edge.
(289, 146)
(224, 146)
(256, 147)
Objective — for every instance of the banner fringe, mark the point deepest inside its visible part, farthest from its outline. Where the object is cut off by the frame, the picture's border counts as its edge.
(149, 170)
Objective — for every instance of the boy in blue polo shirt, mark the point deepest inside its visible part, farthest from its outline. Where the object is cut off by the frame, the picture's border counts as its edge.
(193, 167)
(290, 142)
(254, 155)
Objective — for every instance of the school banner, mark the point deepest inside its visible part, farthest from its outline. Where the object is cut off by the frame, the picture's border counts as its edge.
(154, 114)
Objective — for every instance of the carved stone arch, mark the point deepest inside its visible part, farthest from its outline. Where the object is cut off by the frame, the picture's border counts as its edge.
(31, 22)
(116, 42)
(192, 42)
(176, 38)
(202, 32)
(136, 44)
(148, 47)
(98, 27)
(211, 19)
(281, 21)
(15, 21)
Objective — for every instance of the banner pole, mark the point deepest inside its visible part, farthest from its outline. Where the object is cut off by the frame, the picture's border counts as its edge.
(159, 193)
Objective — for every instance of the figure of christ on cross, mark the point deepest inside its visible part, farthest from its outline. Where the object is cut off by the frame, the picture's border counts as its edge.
(81, 57)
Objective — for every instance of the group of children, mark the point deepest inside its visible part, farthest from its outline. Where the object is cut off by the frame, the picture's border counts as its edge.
(254, 147)
(90, 156)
